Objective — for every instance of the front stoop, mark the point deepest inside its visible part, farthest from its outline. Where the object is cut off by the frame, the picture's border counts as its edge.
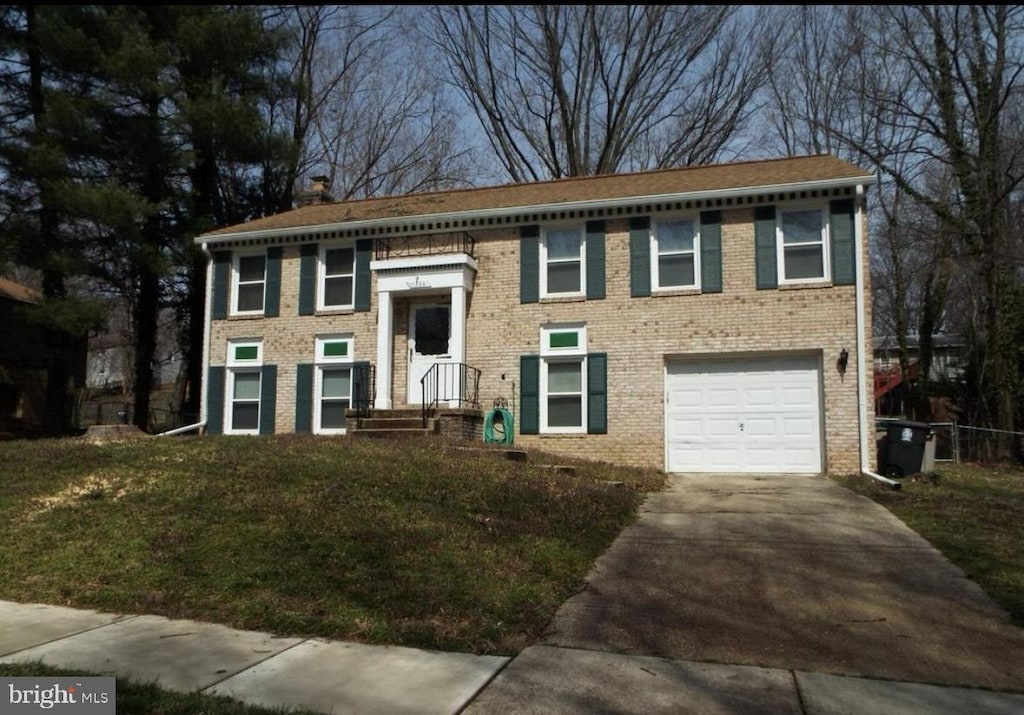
(408, 421)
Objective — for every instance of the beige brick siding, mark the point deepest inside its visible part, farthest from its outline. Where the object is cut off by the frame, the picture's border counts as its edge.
(638, 334)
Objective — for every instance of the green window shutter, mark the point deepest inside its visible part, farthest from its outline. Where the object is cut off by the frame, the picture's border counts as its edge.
(303, 399)
(597, 393)
(307, 278)
(711, 252)
(272, 306)
(640, 256)
(595, 260)
(765, 248)
(362, 386)
(841, 232)
(221, 280)
(268, 398)
(529, 394)
(364, 247)
(215, 400)
(529, 264)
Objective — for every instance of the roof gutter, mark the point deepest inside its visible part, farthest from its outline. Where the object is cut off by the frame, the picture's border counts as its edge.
(864, 427)
(858, 182)
(207, 311)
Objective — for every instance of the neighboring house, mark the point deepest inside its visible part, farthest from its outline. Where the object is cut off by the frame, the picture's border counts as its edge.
(111, 359)
(891, 395)
(947, 355)
(24, 364)
(695, 320)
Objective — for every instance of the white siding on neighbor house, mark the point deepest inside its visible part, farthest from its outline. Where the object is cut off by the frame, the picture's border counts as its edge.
(750, 414)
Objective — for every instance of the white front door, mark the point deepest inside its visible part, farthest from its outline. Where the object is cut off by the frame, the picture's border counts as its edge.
(744, 415)
(429, 343)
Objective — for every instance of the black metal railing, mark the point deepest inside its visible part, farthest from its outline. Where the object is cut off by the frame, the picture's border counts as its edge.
(364, 381)
(450, 382)
(424, 245)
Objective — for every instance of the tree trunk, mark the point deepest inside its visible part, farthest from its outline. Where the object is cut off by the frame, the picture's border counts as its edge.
(145, 310)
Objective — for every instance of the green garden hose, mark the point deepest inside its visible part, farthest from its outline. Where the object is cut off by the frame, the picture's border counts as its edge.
(499, 427)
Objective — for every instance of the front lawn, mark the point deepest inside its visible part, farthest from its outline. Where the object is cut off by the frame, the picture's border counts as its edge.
(974, 515)
(417, 543)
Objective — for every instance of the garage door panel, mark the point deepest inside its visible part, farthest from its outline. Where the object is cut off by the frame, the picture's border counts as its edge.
(796, 397)
(760, 398)
(744, 415)
(686, 427)
(688, 399)
(721, 427)
(721, 458)
(724, 398)
(761, 427)
(799, 427)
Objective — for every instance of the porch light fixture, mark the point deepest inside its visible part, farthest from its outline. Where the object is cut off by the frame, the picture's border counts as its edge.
(844, 358)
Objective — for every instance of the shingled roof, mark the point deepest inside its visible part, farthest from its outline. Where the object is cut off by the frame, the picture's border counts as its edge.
(761, 175)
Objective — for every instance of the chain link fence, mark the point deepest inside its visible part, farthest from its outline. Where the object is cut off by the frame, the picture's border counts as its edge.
(956, 442)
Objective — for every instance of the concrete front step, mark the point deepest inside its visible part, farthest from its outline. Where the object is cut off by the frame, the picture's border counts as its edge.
(397, 432)
(398, 412)
(391, 423)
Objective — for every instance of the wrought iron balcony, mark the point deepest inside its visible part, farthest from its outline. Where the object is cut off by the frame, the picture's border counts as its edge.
(424, 245)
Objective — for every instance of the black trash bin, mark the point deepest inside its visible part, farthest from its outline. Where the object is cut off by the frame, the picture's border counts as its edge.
(904, 448)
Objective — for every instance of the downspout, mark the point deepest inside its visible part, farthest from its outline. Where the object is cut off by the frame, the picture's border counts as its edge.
(862, 372)
(207, 310)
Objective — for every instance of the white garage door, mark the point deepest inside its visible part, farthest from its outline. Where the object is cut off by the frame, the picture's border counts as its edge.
(743, 415)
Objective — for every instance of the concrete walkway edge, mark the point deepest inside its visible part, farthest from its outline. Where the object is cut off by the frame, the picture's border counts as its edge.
(256, 668)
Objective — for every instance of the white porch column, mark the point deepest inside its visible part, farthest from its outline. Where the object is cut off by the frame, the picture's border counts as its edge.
(385, 357)
(457, 344)
(458, 337)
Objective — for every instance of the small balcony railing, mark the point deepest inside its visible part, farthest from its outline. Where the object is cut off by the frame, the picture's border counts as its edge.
(450, 382)
(424, 245)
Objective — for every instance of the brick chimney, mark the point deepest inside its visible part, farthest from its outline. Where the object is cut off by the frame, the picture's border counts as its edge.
(318, 192)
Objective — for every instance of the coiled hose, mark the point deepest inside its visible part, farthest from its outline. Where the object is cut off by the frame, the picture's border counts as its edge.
(499, 427)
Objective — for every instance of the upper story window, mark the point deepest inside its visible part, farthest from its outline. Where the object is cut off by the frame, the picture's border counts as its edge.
(674, 254)
(336, 277)
(562, 262)
(249, 278)
(802, 245)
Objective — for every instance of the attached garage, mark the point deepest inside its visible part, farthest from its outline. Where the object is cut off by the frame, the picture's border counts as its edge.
(750, 414)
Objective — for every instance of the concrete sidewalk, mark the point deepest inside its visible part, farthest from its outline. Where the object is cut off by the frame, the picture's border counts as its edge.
(256, 668)
(337, 677)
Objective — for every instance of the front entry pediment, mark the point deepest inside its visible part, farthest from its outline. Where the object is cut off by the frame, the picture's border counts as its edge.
(426, 274)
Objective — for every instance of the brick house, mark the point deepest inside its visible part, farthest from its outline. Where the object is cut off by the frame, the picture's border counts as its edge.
(708, 319)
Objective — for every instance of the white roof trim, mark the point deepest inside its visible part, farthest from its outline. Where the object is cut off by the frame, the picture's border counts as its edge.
(536, 208)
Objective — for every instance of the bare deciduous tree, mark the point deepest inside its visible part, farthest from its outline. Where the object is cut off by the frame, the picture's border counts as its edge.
(927, 95)
(366, 111)
(570, 90)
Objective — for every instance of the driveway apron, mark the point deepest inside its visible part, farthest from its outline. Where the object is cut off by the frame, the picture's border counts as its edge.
(789, 572)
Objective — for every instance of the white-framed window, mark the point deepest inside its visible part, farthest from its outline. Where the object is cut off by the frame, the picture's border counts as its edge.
(249, 283)
(244, 387)
(802, 244)
(333, 383)
(563, 378)
(675, 250)
(336, 272)
(563, 262)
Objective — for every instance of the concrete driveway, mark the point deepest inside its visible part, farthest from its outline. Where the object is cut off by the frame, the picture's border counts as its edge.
(794, 583)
